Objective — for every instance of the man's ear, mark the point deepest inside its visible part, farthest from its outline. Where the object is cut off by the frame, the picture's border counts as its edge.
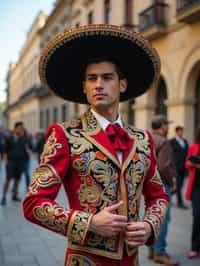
(123, 85)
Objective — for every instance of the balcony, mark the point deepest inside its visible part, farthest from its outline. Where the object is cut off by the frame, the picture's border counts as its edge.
(188, 11)
(153, 21)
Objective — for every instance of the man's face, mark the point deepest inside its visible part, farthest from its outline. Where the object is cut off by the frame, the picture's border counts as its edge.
(179, 133)
(19, 130)
(165, 128)
(102, 85)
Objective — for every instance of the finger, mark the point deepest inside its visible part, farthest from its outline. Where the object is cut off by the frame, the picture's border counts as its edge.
(135, 234)
(114, 206)
(119, 224)
(135, 226)
(120, 218)
(134, 243)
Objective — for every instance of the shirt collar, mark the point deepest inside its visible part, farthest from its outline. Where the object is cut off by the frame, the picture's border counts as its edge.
(103, 122)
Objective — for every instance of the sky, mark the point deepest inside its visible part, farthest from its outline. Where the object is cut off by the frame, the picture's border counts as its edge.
(16, 18)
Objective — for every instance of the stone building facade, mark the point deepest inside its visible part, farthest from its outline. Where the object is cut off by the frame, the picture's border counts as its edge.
(172, 26)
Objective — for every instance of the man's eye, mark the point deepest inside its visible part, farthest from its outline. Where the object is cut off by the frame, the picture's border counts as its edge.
(107, 77)
(91, 78)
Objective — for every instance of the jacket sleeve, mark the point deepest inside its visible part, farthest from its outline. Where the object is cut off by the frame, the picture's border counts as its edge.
(166, 164)
(156, 200)
(39, 205)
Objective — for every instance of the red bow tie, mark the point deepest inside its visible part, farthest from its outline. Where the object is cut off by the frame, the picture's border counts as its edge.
(118, 137)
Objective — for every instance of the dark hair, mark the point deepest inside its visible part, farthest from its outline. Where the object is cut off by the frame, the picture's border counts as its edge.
(100, 59)
(179, 128)
(17, 124)
(158, 121)
(197, 137)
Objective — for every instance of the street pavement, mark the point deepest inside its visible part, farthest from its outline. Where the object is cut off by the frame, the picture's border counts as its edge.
(25, 244)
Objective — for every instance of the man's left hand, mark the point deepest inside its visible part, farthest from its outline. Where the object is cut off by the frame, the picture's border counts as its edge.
(137, 233)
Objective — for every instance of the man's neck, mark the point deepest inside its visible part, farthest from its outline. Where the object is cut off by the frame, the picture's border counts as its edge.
(108, 114)
(159, 132)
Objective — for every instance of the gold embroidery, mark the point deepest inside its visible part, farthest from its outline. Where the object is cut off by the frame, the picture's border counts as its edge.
(50, 147)
(78, 226)
(51, 216)
(79, 260)
(155, 215)
(43, 177)
(78, 144)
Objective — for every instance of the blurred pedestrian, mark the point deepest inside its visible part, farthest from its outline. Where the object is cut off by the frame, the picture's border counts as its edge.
(39, 144)
(180, 149)
(14, 156)
(27, 161)
(193, 193)
(167, 170)
(2, 141)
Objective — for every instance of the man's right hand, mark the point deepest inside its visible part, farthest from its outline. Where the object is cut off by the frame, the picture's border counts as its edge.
(107, 223)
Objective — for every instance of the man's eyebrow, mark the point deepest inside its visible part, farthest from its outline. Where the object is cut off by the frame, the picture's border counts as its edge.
(102, 74)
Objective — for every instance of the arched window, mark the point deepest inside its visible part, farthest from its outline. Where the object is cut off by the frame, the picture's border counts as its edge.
(197, 104)
(161, 96)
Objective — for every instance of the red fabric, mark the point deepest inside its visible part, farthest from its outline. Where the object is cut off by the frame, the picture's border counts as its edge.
(118, 137)
(102, 261)
(193, 150)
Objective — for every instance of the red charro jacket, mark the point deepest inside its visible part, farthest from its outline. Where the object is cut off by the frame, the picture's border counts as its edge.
(80, 157)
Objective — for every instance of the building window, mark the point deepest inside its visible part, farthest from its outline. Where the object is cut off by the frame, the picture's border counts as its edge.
(77, 24)
(63, 113)
(41, 120)
(107, 12)
(161, 96)
(47, 118)
(128, 11)
(55, 115)
(90, 17)
(197, 104)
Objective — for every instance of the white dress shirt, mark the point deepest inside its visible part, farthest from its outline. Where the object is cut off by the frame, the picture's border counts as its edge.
(181, 142)
(104, 123)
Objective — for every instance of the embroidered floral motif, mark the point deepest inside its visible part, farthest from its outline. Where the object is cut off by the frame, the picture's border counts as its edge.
(142, 139)
(78, 226)
(43, 177)
(156, 178)
(50, 148)
(155, 215)
(79, 260)
(51, 216)
(77, 142)
(100, 179)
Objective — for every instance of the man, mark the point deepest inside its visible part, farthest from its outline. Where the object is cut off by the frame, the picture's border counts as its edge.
(180, 149)
(14, 156)
(167, 170)
(103, 164)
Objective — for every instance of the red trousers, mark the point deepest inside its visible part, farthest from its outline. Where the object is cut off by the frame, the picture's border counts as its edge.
(80, 258)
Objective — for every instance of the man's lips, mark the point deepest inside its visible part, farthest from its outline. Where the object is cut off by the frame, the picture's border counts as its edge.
(99, 95)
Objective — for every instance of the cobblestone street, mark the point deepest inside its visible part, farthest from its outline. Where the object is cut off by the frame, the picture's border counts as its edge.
(24, 244)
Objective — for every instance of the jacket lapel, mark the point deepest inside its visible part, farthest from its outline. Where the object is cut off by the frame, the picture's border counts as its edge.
(128, 155)
(96, 135)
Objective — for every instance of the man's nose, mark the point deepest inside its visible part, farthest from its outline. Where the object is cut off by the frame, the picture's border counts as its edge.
(99, 83)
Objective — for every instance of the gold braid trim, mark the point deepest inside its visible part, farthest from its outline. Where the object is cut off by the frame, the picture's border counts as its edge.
(78, 226)
(155, 215)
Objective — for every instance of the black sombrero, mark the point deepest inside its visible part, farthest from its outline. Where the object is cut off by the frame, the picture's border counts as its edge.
(61, 63)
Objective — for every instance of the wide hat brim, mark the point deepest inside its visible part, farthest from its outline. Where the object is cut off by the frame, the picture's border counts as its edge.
(62, 60)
